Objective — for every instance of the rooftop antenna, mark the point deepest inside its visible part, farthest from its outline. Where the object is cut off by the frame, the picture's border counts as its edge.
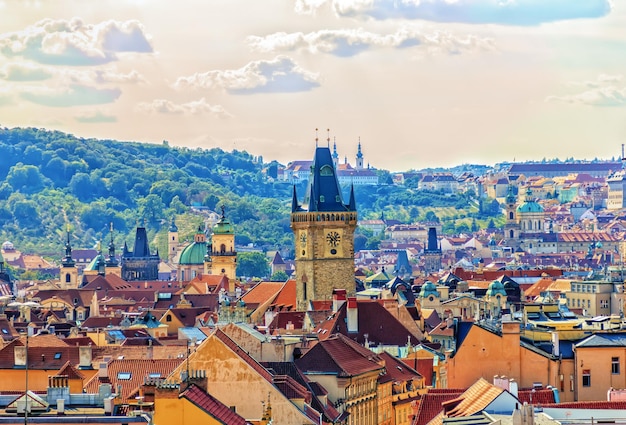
(328, 138)
(316, 139)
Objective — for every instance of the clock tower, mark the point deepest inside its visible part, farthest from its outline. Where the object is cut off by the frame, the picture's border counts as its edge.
(323, 228)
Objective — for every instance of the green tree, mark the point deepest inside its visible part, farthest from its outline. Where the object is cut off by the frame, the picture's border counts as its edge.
(252, 264)
(279, 276)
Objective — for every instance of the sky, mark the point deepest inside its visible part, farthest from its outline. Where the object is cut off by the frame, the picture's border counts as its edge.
(420, 83)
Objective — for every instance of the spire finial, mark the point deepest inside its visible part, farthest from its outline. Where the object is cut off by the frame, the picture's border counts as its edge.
(316, 138)
(328, 137)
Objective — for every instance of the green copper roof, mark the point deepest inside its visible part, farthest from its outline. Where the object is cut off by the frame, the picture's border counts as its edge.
(223, 226)
(193, 254)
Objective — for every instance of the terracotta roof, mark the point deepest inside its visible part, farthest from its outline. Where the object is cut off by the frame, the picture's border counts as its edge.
(430, 405)
(130, 374)
(212, 406)
(70, 371)
(323, 305)
(339, 355)
(374, 320)
(100, 322)
(536, 397)
(285, 318)
(474, 400)
(262, 292)
(396, 370)
(286, 298)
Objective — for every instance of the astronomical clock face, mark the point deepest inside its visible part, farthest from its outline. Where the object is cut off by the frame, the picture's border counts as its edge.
(302, 239)
(332, 241)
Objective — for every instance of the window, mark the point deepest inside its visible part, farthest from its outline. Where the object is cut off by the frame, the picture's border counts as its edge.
(586, 377)
(615, 365)
(57, 356)
(154, 375)
(123, 376)
(168, 318)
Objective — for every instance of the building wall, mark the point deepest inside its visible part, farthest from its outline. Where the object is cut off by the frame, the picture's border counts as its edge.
(356, 394)
(233, 382)
(597, 361)
(484, 354)
(179, 411)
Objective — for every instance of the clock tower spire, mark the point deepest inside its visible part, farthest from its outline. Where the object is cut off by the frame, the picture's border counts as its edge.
(323, 227)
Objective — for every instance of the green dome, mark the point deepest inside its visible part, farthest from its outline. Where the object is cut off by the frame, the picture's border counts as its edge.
(223, 227)
(193, 254)
(428, 289)
(96, 262)
(529, 206)
(496, 287)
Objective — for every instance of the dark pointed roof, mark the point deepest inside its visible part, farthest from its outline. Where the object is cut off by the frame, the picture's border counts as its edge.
(324, 192)
(141, 248)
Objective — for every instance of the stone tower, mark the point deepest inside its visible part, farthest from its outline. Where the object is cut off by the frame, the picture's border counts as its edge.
(432, 253)
(323, 228)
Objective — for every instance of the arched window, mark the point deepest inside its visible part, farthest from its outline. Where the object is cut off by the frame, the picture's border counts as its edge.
(222, 248)
(511, 216)
(68, 278)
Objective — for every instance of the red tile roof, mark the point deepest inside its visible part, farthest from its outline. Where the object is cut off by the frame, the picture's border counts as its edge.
(542, 397)
(212, 406)
(129, 374)
(70, 371)
(339, 355)
(430, 405)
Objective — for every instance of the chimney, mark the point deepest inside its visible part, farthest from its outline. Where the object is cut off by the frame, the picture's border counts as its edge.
(555, 344)
(339, 298)
(198, 377)
(352, 315)
(85, 357)
(19, 353)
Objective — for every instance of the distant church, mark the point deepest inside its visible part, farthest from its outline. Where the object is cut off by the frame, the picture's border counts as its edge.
(323, 227)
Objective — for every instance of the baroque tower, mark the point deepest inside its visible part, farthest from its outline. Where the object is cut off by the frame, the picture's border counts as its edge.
(359, 157)
(323, 228)
(511, 225)
(68, 272)
(223, 254)
(172, 241)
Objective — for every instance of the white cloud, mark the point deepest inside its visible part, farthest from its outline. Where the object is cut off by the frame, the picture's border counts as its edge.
(95, 117)
(506, 12)
(198, 107)
(72, 42)
(72, 95)
(279, 75)
(349, 42)
(601, 92)
(24, 72)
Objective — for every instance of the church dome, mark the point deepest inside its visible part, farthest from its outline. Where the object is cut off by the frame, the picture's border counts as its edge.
(530, 205)
(96, 263)
(496, 288)
(428, 289)
(193, 254)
